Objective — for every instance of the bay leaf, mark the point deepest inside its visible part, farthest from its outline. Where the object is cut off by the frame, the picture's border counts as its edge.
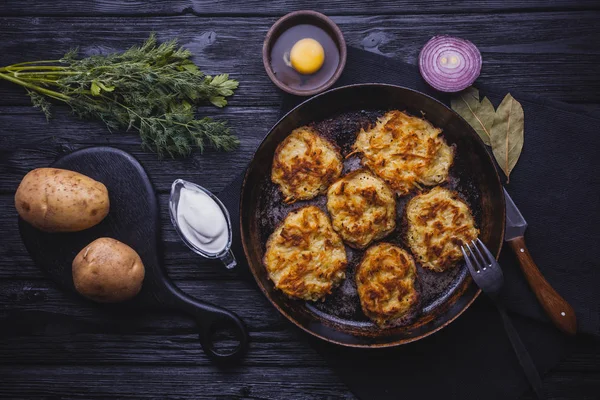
(480, 115)
(507, 134)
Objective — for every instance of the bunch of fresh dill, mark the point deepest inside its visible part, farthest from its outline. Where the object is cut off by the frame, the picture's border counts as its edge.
(153, 88)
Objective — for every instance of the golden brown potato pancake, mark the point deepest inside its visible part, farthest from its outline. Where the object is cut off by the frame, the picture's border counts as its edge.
(305, 164)
(439, 222)
(386, 280)
(405, 151)
(305, 257)
(362, 208)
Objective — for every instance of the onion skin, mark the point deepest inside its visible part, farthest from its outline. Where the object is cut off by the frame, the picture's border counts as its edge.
(449, 64)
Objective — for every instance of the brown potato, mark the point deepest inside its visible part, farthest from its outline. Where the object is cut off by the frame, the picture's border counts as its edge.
(58, 200)
(108, 271)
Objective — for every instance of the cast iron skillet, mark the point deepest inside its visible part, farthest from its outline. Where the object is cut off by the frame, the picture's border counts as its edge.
(338, 115)
(134, 220)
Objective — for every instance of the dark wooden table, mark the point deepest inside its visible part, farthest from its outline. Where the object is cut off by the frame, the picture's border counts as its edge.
(54, 346)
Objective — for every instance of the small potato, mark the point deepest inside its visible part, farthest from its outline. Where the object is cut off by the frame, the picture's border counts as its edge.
(58, 200)
(108, 271)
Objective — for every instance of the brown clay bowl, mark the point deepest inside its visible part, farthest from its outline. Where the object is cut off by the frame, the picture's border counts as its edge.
(311, 18)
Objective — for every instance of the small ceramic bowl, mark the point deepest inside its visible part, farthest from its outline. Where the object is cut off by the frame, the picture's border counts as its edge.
(311, 18)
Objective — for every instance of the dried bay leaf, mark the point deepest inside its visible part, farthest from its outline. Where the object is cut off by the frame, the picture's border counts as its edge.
(507, 134)
(502, 129)
(480, 115)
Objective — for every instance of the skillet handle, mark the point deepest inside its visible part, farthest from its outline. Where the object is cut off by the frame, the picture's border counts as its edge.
(560, 312)
(210, 319)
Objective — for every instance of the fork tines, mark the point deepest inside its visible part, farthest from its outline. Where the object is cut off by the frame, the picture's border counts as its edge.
(476, 261)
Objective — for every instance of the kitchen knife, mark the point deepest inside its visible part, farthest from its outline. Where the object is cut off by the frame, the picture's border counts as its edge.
(559, 311)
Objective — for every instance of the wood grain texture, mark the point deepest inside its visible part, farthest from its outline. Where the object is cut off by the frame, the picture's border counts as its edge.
(54, 346)
(38, 142)
(160, 382)
(238, 295)
(258, 7)
(42, 327)
(551, 53)
(560, 312)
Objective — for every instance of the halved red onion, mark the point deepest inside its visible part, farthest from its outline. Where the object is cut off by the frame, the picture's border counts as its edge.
(449, 64)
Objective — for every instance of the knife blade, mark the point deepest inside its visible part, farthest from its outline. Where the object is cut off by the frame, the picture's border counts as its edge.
(515, 223)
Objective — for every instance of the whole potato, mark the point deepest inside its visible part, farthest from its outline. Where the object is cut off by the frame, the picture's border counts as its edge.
(58, 200)
(108, 271)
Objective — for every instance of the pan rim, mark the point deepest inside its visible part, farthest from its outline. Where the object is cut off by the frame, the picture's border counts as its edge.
(393, 343)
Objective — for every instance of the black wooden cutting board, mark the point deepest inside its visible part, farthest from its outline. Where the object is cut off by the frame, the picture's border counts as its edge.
(134, 220)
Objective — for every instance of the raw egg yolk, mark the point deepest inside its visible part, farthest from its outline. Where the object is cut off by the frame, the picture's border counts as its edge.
(307, 56)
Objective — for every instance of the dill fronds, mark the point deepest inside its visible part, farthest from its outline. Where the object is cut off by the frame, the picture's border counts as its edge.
(152, 88)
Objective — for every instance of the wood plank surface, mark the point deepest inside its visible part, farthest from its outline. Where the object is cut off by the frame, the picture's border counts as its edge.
(39, 143)
(160, 382)
(259, 7)
(54, 345)
(238, 295)
(86, 340)
(550, 53)
(43, 319)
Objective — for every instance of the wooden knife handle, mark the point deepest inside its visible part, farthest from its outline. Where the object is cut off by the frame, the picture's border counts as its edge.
(557, 308)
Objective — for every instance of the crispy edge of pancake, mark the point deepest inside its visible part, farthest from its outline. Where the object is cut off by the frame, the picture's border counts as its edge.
(411, 177)
(291, 179)
(380, 282)
(383, 198)
(295, 286)
(448, 256)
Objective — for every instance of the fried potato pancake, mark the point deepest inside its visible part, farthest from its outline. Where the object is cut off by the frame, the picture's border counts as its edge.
(362, 208)
(305, 257)
(305, 164)
(385, 280)
(439, 222)
(405, 151)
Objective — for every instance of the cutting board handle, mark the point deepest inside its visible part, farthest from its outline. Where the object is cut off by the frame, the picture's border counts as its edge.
(557, 308)
(210, 320)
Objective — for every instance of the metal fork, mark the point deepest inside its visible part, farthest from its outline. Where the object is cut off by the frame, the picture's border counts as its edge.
(487, 274)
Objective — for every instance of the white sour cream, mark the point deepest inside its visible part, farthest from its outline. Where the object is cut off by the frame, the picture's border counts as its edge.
(202, 221)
